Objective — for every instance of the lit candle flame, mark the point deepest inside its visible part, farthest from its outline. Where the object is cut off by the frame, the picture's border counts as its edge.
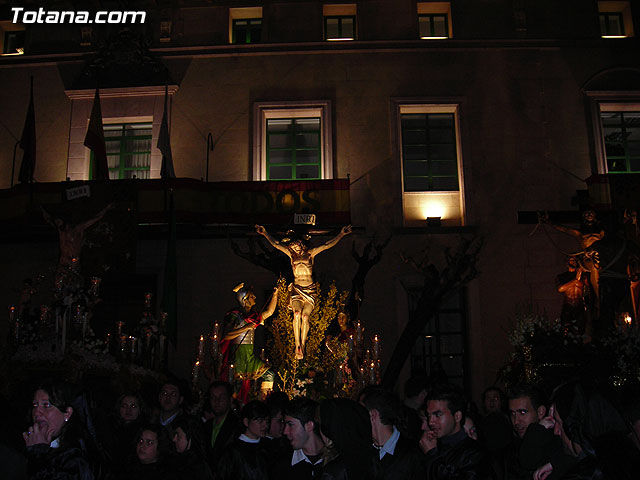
(627, 319)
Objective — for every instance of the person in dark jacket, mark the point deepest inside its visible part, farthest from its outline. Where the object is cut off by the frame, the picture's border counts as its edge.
(55, 445)
(594, 433)
(399, 456)
(219, 431)
(118, 431)
(449, 453)
(247, 457)
(346, 433)
(189, 461)
(152, 455)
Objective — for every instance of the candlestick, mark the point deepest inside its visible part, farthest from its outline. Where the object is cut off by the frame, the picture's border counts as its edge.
(12, 312)
(147, 300)
(340, 375)
(350, 344)
(231, 373)
(119, 327)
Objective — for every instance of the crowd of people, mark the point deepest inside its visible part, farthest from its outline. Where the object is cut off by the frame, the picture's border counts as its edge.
(434, 432)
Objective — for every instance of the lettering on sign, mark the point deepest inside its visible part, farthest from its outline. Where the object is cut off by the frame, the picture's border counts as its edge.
(304, 218)
(78, 192)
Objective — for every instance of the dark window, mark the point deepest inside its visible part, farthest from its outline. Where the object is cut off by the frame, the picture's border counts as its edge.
(621, 131)
(13, 42)
(247, 30)
(341, 27)
(433, 26)
(293, 148)
(128, 150)
(611, 24)
(429, 154)
(442, 343)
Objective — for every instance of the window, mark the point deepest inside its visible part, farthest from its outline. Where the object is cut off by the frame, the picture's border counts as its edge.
(292, 141)
(247, 30)
(293, 148)
(442, 343)
(621, 136)
(430, 161)
(339, 22)
(128, 150)
(429, 148)
(615, 19)
(12, 38)
(245, 25)
(434, 20)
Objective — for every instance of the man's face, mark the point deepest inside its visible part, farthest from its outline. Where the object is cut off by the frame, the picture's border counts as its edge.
(249, 301)
(492, 401)
(220, 401)
(522, 414)
(276, 425)
(440, 419)
(295, 432)
(170, 398)
(589, 216)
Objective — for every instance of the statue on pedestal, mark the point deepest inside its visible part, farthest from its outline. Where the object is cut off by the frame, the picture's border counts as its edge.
(303, 289)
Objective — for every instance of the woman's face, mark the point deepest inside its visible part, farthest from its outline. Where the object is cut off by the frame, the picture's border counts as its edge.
(129, 409)
(256, 427)
(470, 428)
(180, 441)
(46, 415)
(277, 425)
(570, 447)
(147, 448)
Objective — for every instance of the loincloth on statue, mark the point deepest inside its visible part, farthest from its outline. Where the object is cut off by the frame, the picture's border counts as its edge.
(302, 294)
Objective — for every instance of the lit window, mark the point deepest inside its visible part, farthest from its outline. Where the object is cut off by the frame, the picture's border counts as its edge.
(247, 30)
(292, 141)
(621, 138)
(12, 37)
(615, 19)
(433, 26)
(339, 22)
(128, 150)
(431, 164)
(245, 25)
(434, 20)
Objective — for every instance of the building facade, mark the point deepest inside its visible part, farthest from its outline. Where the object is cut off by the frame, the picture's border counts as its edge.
(472, 114)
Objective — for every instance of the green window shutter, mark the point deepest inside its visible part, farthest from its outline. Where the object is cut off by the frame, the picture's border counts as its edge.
(293, 149)
(429, 152)
(621, 134)
(128, 148)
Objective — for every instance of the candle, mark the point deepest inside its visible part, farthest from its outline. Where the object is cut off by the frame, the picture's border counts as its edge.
(162, 346)
(372, 373)
(119, 326)
(231, 373)
(95, 285)
(216, 331)
(196, 372)
(262, 354)
(340, 376)
(350, 344)
(201, 347)
(107, 341)
(147, 300)
(214, 346)
(376, 347)
(84, 327)
(163, 320)
(359, 331)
